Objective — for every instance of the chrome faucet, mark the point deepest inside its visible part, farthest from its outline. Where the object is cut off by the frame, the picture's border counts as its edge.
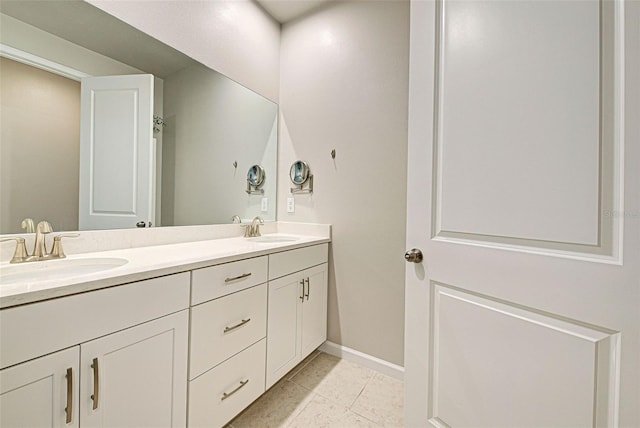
(21, 254)
(253, 230)
(40, 247)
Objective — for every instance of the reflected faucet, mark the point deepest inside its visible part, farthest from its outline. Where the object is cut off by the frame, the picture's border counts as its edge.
(27, 225)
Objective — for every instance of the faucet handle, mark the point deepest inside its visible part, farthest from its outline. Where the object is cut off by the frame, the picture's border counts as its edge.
(20, 254)
(56, 251)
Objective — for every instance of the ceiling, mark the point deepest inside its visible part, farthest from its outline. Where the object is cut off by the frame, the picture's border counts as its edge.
(287, 10)
(88, 26)
(85, 25)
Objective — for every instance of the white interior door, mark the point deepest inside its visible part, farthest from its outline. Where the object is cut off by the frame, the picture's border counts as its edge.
(117, 154)
(523, 195)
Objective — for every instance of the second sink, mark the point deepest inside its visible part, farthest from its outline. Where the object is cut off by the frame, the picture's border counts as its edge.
(272, 239)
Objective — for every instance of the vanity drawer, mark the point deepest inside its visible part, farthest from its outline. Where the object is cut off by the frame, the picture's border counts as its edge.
(216, 281)
(221, 393)
(286, 262)
(225, 326)
(36, 329)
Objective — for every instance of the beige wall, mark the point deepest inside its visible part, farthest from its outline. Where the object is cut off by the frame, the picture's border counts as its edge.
(344, 86)
(213, 122)
(235, 37)
(40, 133)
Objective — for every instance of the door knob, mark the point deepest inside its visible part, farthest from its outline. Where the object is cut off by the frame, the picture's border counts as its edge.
(141, 224)
(413, 256)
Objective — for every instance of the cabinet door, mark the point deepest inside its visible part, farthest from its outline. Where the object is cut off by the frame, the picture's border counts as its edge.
(314, 309)
(40, 392)
(137, 377)
(283, 326)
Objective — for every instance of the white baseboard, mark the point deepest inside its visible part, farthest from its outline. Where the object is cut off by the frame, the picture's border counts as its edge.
(392, 370)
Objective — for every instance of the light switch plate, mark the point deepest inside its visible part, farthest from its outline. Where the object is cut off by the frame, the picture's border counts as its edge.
(291, 205)
(264, 205)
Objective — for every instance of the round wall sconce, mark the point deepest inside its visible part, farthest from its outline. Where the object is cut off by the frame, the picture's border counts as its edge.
(300, 175)
(255, 179)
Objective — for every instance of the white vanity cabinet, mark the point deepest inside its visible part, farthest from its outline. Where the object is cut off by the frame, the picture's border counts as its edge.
(125, 348)
(133, 378)
(297, 308)
(129, 355)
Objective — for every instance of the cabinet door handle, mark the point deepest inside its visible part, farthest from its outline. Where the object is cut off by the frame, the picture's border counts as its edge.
(69, 408)
(226, 395)
(240, 324)
(308, 288)
(302, 290)
(96, 383)
(244, 275)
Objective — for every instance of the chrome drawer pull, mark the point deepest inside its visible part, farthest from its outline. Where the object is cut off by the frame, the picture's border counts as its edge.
(69, 408)
(308, 288)
(302, 291)
(244, 275)
(243, 322)
(226, 395)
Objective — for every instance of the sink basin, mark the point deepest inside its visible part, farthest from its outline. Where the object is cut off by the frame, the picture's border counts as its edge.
(272, 239)
(57, 269)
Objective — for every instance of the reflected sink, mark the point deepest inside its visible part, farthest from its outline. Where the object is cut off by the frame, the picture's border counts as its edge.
(56, 269)
(273, 239)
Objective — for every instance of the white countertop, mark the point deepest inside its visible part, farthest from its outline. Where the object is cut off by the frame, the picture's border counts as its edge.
(145, 263)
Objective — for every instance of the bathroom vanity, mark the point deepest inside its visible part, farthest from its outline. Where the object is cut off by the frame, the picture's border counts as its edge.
(216, 321)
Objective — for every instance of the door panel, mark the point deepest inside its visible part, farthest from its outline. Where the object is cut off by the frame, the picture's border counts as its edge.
(538, 370)
(519, 96)
(283, 326)
(314, 309)
(525, 311)
(36, 394)
(494, 122)
(141, 378)
(117, 155)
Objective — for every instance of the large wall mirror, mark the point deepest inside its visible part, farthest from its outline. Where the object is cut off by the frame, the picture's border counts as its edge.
(208, 130)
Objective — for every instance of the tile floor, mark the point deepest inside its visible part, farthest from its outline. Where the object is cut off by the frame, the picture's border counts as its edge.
(326, 391)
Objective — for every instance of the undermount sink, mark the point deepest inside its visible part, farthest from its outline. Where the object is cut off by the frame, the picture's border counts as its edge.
(272, 239)
(57, 269)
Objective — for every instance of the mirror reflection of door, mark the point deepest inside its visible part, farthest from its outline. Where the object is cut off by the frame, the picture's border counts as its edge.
(117, 153)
